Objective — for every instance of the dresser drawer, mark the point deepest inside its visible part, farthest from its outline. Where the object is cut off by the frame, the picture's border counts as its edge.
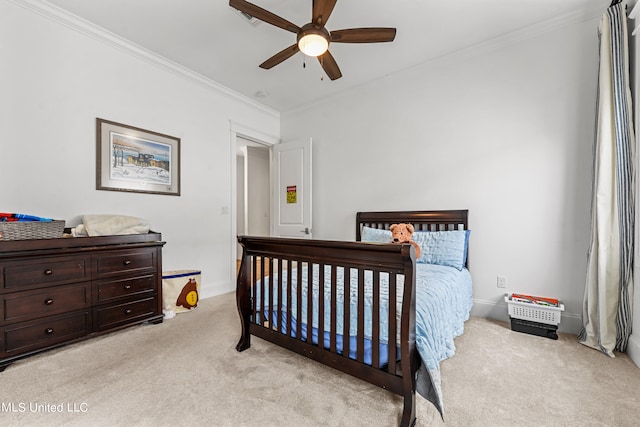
(116, 289)
(42, 333)
(20, 306)
(120, 314)
(44, 271)
(126, 262)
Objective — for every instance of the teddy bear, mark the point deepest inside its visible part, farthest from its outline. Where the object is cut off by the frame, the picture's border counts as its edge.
(401, 233)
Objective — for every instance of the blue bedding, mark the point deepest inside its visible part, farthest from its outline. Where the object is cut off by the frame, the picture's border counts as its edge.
(443, 302)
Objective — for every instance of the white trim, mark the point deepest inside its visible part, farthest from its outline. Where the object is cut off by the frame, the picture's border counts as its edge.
(89, 29)
(216, 289)
(253, 134)
(633, 349)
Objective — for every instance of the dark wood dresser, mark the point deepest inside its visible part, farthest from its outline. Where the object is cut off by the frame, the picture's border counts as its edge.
(56, 291)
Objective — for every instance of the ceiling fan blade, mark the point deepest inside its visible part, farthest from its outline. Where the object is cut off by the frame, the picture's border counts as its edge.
(263, 15)
(330, 66)
(363, 35)
(322, 10)
(280, 56)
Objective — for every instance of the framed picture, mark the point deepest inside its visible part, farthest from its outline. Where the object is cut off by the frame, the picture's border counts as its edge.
(136, 160)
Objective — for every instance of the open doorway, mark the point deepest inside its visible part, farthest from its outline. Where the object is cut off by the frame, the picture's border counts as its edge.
(253, 189)
(250, 186)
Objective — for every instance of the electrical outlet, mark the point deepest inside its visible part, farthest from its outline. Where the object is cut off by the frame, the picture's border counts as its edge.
(502, 281)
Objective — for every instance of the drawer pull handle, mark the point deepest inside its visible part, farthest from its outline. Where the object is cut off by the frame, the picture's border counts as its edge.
(127, 287)
(127, 262)
(48, 272)
(48, 331)
(48, 301)
(128, 311)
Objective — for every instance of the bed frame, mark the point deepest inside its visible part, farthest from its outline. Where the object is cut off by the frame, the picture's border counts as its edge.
(263, 255)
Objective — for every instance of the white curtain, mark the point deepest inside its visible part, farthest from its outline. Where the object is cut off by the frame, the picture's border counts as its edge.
(606, 314)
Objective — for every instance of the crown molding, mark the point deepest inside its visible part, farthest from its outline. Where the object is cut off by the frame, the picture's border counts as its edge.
(91, 30)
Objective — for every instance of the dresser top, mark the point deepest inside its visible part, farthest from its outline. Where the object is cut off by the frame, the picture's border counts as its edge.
(79, 242)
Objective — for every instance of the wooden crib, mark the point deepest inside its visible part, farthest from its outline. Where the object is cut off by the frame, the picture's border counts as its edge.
(271, 267)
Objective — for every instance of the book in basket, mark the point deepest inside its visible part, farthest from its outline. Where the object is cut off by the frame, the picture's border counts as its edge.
(531, 299)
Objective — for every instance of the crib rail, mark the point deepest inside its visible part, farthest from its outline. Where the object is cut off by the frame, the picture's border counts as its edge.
(267, 269)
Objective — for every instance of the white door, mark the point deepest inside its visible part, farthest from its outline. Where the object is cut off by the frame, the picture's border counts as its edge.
(292, 189)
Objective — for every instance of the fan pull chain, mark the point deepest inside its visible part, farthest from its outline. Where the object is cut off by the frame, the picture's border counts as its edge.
(304, 65)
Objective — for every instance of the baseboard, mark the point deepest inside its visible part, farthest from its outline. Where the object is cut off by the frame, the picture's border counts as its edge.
(208, 290)
(633, 349)
(570, 323)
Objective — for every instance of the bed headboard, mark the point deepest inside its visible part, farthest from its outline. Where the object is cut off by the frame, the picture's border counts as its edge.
(421, 220)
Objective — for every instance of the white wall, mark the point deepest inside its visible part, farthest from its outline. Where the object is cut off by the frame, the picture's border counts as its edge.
(505, 130)
(57, 76)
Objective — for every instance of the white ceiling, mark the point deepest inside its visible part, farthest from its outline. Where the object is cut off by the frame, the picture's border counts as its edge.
(214, 40)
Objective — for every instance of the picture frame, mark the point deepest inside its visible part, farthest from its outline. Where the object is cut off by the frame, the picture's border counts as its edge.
(136, 160)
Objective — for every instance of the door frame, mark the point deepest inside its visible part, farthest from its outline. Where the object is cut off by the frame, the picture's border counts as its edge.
(236, 129)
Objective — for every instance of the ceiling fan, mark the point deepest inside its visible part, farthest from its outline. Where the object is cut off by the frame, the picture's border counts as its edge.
(313, 39)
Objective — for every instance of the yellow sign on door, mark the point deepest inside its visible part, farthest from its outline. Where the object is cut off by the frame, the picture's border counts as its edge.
(292, 194)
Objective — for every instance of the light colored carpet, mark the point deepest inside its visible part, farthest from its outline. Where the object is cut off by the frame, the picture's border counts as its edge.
(186, 371)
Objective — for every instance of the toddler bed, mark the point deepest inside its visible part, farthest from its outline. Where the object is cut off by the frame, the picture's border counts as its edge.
(401, 314)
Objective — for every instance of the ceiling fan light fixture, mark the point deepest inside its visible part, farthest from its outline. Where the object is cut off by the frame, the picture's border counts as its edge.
(313, 41)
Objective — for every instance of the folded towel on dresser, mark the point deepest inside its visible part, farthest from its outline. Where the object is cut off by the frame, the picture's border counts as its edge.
(106, 225)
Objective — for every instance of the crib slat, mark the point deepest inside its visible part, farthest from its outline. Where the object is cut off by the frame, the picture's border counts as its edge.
(288, 285)
(360, 335)
(375, 338)
(321, 305)
(276, 278)
(254, 289)
(270, 307)
(393, 327)
(265, 302)
(310, 307)
(347, 312)
(332, 333)
(299, 300)
(259, 276)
